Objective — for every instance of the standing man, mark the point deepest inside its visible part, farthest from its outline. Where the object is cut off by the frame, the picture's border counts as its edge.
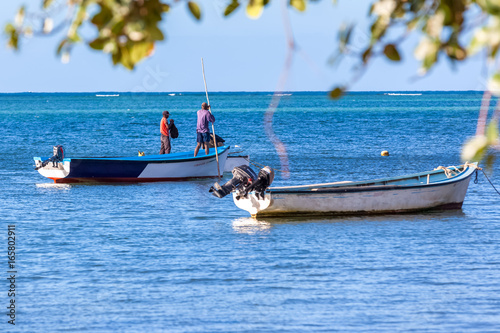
(165, 133)
(202, 131)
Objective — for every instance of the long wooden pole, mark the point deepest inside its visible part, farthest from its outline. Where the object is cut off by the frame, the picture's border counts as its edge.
(210, 110)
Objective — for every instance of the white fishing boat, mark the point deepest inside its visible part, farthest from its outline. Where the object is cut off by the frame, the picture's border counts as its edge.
(442, 188)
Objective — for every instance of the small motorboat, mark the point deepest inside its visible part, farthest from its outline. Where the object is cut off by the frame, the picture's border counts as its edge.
(441, 188)
(151, 168)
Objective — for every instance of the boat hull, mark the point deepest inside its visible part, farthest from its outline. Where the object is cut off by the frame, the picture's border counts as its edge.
(173, 167)
(235, 161)
(359, 200)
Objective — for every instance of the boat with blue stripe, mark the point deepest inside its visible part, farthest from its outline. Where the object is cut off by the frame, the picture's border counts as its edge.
(166, 167)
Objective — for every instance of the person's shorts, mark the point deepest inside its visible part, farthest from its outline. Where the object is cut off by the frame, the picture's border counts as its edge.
(203, 137)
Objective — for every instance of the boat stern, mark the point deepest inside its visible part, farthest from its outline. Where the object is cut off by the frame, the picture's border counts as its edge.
(251, 203)
(52, 170)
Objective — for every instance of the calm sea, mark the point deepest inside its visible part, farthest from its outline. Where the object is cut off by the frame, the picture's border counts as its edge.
(170, 257)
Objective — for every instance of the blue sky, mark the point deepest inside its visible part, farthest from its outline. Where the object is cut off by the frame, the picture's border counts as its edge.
(240, 54)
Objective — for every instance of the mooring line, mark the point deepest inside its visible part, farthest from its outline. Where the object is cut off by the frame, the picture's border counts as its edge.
(490, 182)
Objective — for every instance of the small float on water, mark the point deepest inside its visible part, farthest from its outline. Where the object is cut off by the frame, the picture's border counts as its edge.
(151, 168)
(442, 188)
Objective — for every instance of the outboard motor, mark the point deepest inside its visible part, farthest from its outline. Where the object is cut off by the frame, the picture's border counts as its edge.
(58, 156)
(243, 175)
(245, 180)
(264, 180)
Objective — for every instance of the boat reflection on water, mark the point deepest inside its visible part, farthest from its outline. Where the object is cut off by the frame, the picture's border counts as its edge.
(250, 225)
(54, 186)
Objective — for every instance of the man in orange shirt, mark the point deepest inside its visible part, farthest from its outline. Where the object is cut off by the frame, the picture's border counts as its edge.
(165, 135)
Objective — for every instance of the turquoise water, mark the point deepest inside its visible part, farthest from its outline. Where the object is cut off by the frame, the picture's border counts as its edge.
(170, 257)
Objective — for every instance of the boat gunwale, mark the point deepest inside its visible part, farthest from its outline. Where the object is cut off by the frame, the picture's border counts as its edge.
(362, 186)
(146, 159)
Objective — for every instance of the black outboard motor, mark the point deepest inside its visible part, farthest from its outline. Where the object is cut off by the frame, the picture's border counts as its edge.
(58, 156)
(245, 180)
(243, 175)
(264, 180)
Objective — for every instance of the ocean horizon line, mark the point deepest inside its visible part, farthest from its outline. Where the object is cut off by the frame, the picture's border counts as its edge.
(111, 93)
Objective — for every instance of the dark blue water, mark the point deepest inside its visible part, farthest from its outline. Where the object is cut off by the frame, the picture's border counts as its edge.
(169, 257)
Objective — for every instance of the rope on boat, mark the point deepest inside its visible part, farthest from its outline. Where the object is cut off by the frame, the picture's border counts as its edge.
(452, 173)
(467, 164)
(489, 181)
(448, 172)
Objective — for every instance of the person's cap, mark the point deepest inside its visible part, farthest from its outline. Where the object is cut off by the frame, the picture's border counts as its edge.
(165, 113)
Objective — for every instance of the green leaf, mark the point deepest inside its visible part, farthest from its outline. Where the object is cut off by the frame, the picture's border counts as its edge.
(494, 84)
(96, 44)
(47, 3)
(118, 27)
(231, 7)
(75, 38)
(337, 92)
(103, 17)
(416, 6)
(255, 9)
(117, 56)
(491, 7)
(300, 5)
(14, 40)
(475, 149)
(392, 53)
(367, 55)
(125, 58)
(492, 132)
(156, 33)
(9, 28)
(379, 28)
(13, 36)
(140, 51)
(194, 9)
